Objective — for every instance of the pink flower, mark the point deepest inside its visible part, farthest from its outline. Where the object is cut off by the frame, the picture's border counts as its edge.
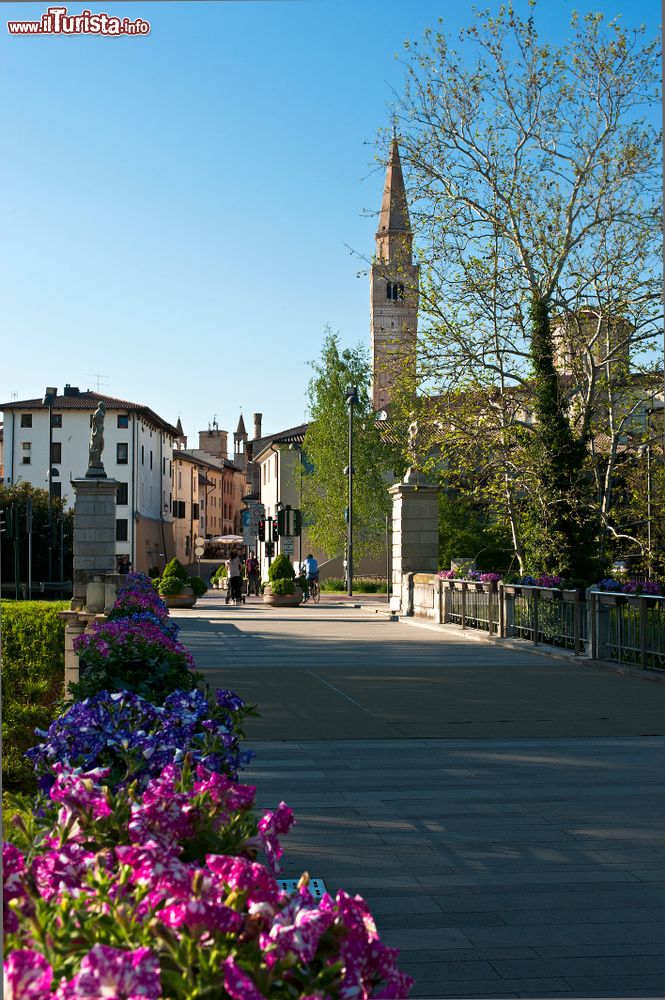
(13, 868)
(61, 869)
(28, 976)
(80, 793)
(237, 983)
(115, 974)
(203, 915)
(270, 825)
(246, 876)
(298, 928)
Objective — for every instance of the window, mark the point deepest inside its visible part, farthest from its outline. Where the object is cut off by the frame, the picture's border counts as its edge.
(163, 466)
(122, 494)
(26, 420)
(25, 460)
(179, 508)
(151, 458)
(123, 420)
(26, 446)
(121, 453)
(56, 489)
(142, 455)
(195, 511)
(56, 420)
(121, 529)
(394, 291)
(56, 453)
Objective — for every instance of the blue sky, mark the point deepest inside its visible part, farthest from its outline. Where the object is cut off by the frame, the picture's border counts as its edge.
(180, 207)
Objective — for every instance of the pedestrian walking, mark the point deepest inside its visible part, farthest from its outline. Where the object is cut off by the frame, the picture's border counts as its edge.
(252, 568)
(234, 568)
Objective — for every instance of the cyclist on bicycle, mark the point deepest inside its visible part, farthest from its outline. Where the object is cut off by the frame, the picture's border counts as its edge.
(311, 567)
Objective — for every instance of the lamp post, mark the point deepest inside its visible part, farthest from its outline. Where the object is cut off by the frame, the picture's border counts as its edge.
(49, 397)
(351, 396)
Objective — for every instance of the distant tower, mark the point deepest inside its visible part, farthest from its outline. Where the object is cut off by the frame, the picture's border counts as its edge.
(393, 288)
(240, 445)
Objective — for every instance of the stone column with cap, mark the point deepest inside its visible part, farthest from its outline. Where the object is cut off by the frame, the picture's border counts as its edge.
(95, 577)
(415, 536)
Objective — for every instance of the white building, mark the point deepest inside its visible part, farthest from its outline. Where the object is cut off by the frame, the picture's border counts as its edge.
(138, 452)
(278, 461)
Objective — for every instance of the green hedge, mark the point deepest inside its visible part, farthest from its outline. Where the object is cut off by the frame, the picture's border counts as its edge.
(33, 674)
(361, 585)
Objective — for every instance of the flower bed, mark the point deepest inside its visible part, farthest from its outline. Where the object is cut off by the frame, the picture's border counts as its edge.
(134, 873)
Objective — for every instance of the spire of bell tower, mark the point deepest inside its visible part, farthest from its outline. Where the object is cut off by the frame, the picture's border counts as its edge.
(394, 285)
(394, 236)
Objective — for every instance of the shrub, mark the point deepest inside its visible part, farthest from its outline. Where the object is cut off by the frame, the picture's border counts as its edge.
(169, 585)
(220, 573)
(175, 568)
(281, 569)
(333, 583)
(282, 587)
(33, 672)
(198, 586)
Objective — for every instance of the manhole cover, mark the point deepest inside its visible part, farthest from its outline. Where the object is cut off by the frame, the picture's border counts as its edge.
(317, 886)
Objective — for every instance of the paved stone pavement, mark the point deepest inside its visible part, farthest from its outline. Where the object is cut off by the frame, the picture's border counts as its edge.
(500, 811)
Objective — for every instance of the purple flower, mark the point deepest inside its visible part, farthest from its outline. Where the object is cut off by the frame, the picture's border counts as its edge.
(28, 976)
(610, 584)
(638, 587)
(229, 699)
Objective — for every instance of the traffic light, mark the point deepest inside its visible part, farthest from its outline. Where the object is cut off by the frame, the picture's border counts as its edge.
(275, 531)
(261, 531)
(270, 549)
(289, 521)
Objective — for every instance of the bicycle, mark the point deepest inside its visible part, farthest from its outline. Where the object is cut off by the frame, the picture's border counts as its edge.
(314, 590)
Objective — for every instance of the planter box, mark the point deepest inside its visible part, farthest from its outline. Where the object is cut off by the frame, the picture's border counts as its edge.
(282, 601)
(185, 599)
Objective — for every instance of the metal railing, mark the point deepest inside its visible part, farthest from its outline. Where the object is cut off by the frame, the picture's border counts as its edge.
(472, 605)
(628, 629)
(604, 626)
(542, 615)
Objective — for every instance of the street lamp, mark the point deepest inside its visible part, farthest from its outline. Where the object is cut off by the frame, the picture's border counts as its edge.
(49, 397)
(351, 396)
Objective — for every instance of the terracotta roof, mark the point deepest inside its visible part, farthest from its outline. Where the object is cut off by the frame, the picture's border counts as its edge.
(88, 400)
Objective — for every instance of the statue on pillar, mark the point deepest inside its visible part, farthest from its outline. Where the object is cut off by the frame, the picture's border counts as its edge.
(95, 464)
(412, 473)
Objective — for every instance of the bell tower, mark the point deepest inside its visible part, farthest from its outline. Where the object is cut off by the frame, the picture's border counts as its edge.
(393, 288)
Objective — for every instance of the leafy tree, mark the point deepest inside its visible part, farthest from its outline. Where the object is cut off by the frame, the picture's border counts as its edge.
(536, 205)
(325, 484)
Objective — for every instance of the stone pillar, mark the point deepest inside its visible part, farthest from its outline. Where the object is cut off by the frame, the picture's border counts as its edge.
(94, 533)
(415, 534)
(74, 626)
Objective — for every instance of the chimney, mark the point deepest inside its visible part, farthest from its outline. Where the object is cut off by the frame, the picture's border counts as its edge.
(71, 390)
(257, 425)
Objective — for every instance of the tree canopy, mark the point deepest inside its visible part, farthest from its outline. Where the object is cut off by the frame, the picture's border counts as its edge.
(325, 484)
(535, 178)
